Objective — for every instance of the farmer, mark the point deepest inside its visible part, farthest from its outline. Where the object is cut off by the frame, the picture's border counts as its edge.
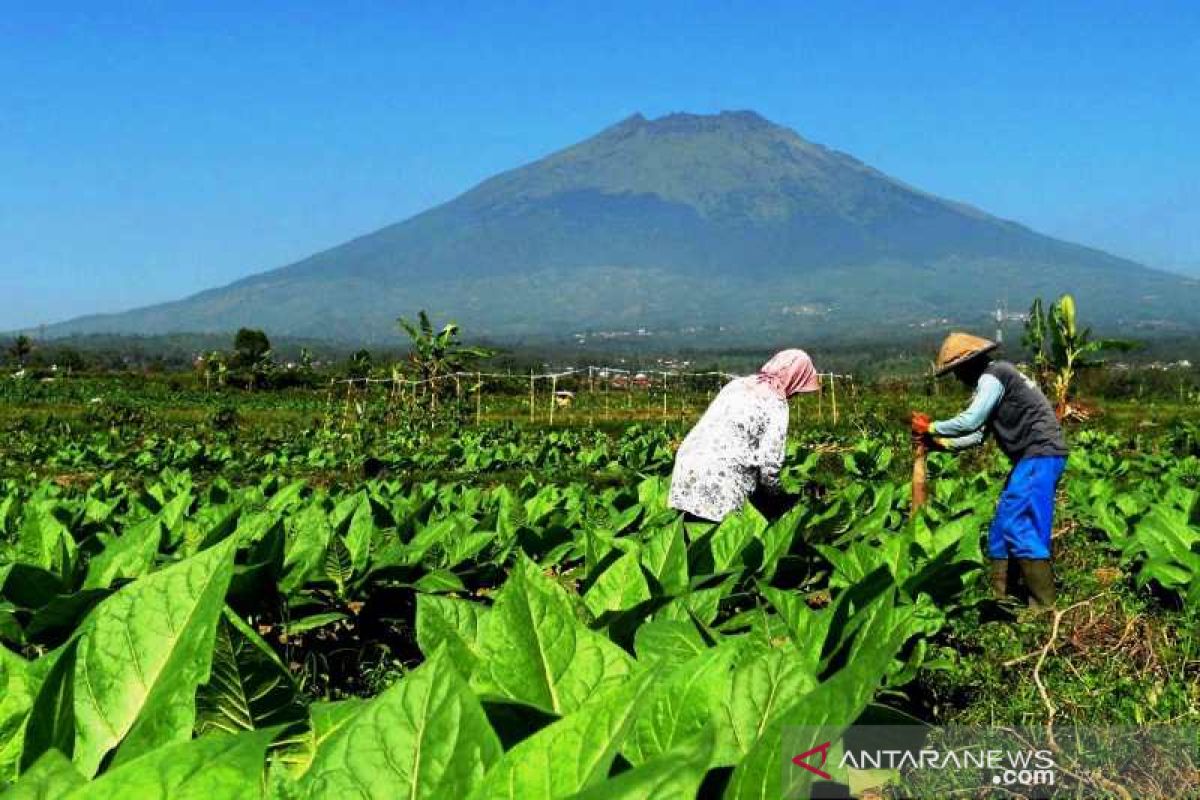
(738, 445)
(1012, 408)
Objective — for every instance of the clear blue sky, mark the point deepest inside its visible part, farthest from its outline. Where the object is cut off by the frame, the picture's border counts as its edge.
(148, 151)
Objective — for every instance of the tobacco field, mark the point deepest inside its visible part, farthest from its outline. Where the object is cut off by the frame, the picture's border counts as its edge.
(213, 609)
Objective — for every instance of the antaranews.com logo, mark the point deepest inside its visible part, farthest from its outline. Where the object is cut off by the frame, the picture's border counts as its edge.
(935, 762)
(1021, 767)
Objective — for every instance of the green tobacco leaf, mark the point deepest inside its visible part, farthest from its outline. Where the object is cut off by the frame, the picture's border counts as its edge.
(537, 652)
(18, 687)
(361, 533)
(678, 773)
(43, 541)
(142, 653)
(668, 640)
(425, 737)
(129, 555)
(308, 535)
(777, 539)
(249, 687)
(457, 624)
(764, 684)
(28, 586)
(573, 753)
(312, 622)
(59, 618)
(211, 767)
(53, 776)
(622, 586)
(664, 554)
(831, 706)
(439, 580)
(51, 724)
(297, 751)
(806, 627)
(733, 534)
(701, 604)
(287, 496)
(681, 706)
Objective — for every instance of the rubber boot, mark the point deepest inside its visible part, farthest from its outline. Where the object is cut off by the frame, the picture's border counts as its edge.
(1000, 578)
(1039, 579)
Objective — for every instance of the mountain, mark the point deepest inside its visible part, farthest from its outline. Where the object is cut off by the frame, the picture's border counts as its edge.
(687, 226)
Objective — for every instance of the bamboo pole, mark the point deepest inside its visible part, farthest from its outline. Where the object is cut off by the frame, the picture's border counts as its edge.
(531, 395)
(664, 413)
(478, 398)
(553, 396)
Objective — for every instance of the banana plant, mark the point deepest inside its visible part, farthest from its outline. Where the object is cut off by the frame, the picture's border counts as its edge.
(1060, 347)
(215, 366)
(436, 355)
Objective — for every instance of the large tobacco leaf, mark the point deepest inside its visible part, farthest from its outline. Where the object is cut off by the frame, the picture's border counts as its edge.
(51, 724)
(622, 586)
(308, 535)
(830, 707)
(457, 624)
(678, 773)
(681, 705)
(764, 684)
(52, 776)
(573, 753)
(664, 555)
(424, 737)
(208, 768)
(18, 687)
(536, 650)
(129, 555)
(296, 751)
(142, 654)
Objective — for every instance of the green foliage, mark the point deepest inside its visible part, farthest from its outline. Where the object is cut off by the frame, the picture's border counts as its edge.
(249, 347)
(429, 735)
(1060, 348)
(506, 612)
(20, 349)
(435, 355)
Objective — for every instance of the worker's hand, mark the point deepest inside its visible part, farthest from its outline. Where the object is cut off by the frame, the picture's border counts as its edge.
(920, 423)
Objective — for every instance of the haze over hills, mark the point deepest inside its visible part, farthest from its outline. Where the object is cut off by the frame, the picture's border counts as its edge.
(719, 227)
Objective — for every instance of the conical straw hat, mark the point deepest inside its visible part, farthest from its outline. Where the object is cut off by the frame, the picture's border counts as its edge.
(959, 348)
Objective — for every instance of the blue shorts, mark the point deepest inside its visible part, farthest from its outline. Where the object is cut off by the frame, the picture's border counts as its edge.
(1025, 515)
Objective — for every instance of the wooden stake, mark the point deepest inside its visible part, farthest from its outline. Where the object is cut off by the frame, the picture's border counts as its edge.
(478, 398)
(531, 395)
(553, 396)
(919, 487)
(833, 396)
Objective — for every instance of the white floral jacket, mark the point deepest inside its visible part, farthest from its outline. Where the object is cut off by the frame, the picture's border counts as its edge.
(738, 444)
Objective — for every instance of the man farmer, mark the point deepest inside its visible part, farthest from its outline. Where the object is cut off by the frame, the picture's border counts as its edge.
(1012, 408)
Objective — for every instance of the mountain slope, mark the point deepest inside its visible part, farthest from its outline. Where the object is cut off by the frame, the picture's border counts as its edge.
(723, 221)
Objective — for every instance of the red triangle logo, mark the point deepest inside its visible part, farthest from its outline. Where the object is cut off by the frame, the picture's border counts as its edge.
(802, 760)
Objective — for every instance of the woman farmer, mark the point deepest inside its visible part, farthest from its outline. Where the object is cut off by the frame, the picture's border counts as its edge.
(1016, 413)
(738, 445)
